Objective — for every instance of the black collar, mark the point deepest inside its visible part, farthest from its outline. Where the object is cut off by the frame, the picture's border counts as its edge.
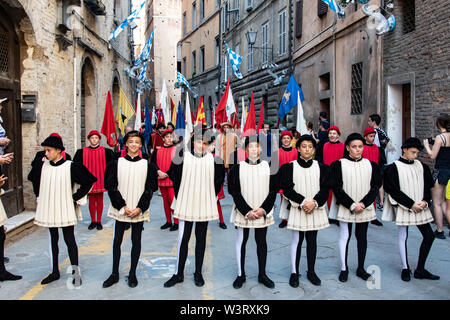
(403, 160)
(164, 146)
(351, 159)
(57, 163)
(135, 159)
(304, 163)
(251, 162)
(334, 142)
(286, 149)
(367, 144)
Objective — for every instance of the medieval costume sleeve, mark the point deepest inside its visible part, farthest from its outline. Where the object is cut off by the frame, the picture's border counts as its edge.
(176, 170)
(81, 175)
(342, 197)
(219, 175)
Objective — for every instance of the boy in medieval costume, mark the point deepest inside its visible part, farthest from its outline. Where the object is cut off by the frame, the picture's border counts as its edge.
(130, 182)
(408, 184)
(57, 205)
(95, 158)
(355, 184)
(254, 190)
(305, 184)
(197, 178)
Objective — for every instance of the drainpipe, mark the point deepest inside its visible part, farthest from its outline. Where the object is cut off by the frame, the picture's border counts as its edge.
(74, 96)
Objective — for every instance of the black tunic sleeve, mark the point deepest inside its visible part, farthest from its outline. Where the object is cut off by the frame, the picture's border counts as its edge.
(81, 175)
(274, 187)
(381, 158)
(78, 157)
(111, 185)
(152, 177)
(68, 157)
(109, 155)
(153, 158)
(375, 184)
(176, 170)
(287, 183)
(35, 173)
(234, 188)
(428, 184)
(341, 196)
(392, 187)
(322, 196)
(219, 175)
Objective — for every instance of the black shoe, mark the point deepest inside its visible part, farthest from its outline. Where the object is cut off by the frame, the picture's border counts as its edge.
(113, 279)
(132, 281)
(360, 272)
(99, 226)
(127, 226)
(239, 282)
(439, 235)
(92, 225)
(293, 280)
(166, 225)
(264, 279)
(174, 227)
(377, 222)
(313, 278)
(222, 225)
(343, 276)
(198, 279)
(50, 278)
(173, 281)
(5, 259)
(8, 276)
(282, 224)
(406, 275)
(425, 274)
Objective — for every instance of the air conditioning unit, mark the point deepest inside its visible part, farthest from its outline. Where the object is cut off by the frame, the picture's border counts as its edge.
(248, 5)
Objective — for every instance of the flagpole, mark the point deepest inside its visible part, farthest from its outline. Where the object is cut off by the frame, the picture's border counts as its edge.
(74, 100)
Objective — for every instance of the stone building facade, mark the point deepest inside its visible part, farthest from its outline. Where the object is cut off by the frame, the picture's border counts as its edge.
(416, 86)
(59, 69)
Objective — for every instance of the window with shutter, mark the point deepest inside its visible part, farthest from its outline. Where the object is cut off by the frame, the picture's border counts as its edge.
(322, 8)
(298, 18)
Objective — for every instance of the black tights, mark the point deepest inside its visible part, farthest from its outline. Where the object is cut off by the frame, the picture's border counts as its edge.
(261, 248)
(311, 249)
(136, 234)
(361, 238)
(69, 239)
(185, 230)
(425, 247)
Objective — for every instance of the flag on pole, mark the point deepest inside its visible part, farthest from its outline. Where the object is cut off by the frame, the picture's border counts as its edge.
(289, 100)
(108, 126)
(235, 61)
(201, 113)
(234, 121)
(138, 119)
(301, 122)
(145, 53)
(180, 124)
(335, 7)
(221, 114)
(261, 118)
(174, 112)
(250, 123)
(163, 103)
(124, 112)
(189, 126)
(182, 79)
(243, 114)
(231, 106)
(126, 22)
(148, 124)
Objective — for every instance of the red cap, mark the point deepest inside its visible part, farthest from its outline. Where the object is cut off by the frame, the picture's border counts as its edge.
(94, 132)
(54, 134)
(369, 131)
(334, 128)
(286, 133)
(166, 132)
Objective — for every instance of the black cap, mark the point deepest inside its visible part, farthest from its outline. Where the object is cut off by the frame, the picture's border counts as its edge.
(306, 137)
(160, 125)
(251, 138)
(412, 142)
(354, 136)
(53, 142)
(133, 133)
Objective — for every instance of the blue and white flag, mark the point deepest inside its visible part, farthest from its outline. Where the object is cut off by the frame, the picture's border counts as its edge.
(126, 22)
(235, 61)
(145, 53)
(143, 71)
(182, 79)
(335, 7)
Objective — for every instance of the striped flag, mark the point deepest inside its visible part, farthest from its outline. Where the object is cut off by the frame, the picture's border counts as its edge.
(182, 79)
(235, 61)
(335, 7)
(200, 113)
(126, 22)
(145, 53)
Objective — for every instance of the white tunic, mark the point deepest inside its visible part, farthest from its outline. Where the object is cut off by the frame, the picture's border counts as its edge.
(131, 177)
(307, 183)
(410, 177)
(356, 177)
(55, 205)
(255, 186)
(3, 217)
(196, 200)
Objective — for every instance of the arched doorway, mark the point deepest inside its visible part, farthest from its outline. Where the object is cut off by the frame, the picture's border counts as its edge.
(11, 113)
(88, 107)
(115, 93)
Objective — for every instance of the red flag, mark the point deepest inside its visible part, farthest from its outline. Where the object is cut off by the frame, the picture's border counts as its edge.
(172, 109)
(160, 117)
(250, 123)
(235, 121)
(192, 116)
(201, 118)
(221, 111)
(261, 118)
(109, 126)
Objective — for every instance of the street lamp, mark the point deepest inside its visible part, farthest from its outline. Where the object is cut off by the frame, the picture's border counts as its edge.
(251, 37)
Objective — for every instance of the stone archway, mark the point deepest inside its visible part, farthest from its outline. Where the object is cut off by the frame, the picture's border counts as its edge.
(88, 104)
